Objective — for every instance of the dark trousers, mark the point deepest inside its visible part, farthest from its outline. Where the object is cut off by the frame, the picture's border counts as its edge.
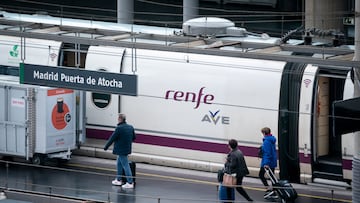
(262, 175)
(240, 189)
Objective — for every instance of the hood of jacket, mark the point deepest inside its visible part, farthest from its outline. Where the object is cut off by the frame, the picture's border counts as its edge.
(270, 138)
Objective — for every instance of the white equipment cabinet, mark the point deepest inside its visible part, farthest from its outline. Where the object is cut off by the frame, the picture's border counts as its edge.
(36, 122)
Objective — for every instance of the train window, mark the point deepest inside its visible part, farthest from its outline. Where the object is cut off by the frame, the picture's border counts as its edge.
(9, 70)
(69, 57)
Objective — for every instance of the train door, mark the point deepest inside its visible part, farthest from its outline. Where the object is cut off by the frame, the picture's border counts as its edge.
(102, 109)
(326, 145)
(74, 55)
(288, 138)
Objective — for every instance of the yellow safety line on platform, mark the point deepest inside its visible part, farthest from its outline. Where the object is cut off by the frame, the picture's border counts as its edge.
(206, 182)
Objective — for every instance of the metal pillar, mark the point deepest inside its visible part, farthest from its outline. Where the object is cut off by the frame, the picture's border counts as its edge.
(125, 11)
(356, 159)
(190, 9)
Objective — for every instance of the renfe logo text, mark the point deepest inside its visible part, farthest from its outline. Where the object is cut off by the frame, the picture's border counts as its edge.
(198, 97)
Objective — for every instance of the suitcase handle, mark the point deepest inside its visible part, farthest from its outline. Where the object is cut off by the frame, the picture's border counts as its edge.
(271, 175)
(268, 170)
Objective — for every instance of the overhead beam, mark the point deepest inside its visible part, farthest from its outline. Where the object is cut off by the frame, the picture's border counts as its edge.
(91, 41)
(316, 49)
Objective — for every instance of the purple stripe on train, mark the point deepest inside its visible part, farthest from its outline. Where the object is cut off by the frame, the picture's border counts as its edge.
(194, 145)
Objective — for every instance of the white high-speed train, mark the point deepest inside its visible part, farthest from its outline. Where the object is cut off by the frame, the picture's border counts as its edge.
(193, 95)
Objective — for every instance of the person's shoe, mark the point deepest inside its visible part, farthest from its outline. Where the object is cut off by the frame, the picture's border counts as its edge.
(250, 200)
(117, 182)
(268, 194)
(128, 186)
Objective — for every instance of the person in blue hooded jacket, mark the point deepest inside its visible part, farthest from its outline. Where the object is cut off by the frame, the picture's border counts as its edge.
(269, 158)
(122, 137)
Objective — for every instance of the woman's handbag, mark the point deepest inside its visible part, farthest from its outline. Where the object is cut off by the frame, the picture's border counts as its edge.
(229, 180)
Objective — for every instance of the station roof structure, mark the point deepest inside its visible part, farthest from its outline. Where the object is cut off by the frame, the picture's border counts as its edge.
(225, 41)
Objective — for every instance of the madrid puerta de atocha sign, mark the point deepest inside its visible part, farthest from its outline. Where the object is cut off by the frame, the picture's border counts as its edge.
(95, 81)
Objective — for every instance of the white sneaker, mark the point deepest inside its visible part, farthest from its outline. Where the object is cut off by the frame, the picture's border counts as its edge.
(128, 186)
(116, 182)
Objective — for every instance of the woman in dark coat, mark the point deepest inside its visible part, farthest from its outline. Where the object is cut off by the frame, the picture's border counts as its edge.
(235, 163)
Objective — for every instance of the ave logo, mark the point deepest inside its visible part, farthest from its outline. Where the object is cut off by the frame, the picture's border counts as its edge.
(215, 118)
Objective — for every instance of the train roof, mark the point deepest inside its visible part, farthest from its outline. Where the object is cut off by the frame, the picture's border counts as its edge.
(205, 35)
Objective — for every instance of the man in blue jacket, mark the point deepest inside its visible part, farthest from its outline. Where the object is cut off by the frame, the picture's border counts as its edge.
(269, 158)
(122, 137)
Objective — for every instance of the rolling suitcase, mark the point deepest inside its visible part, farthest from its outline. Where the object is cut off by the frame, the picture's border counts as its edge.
(226, 194)
(133, 172)
(283, 188)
